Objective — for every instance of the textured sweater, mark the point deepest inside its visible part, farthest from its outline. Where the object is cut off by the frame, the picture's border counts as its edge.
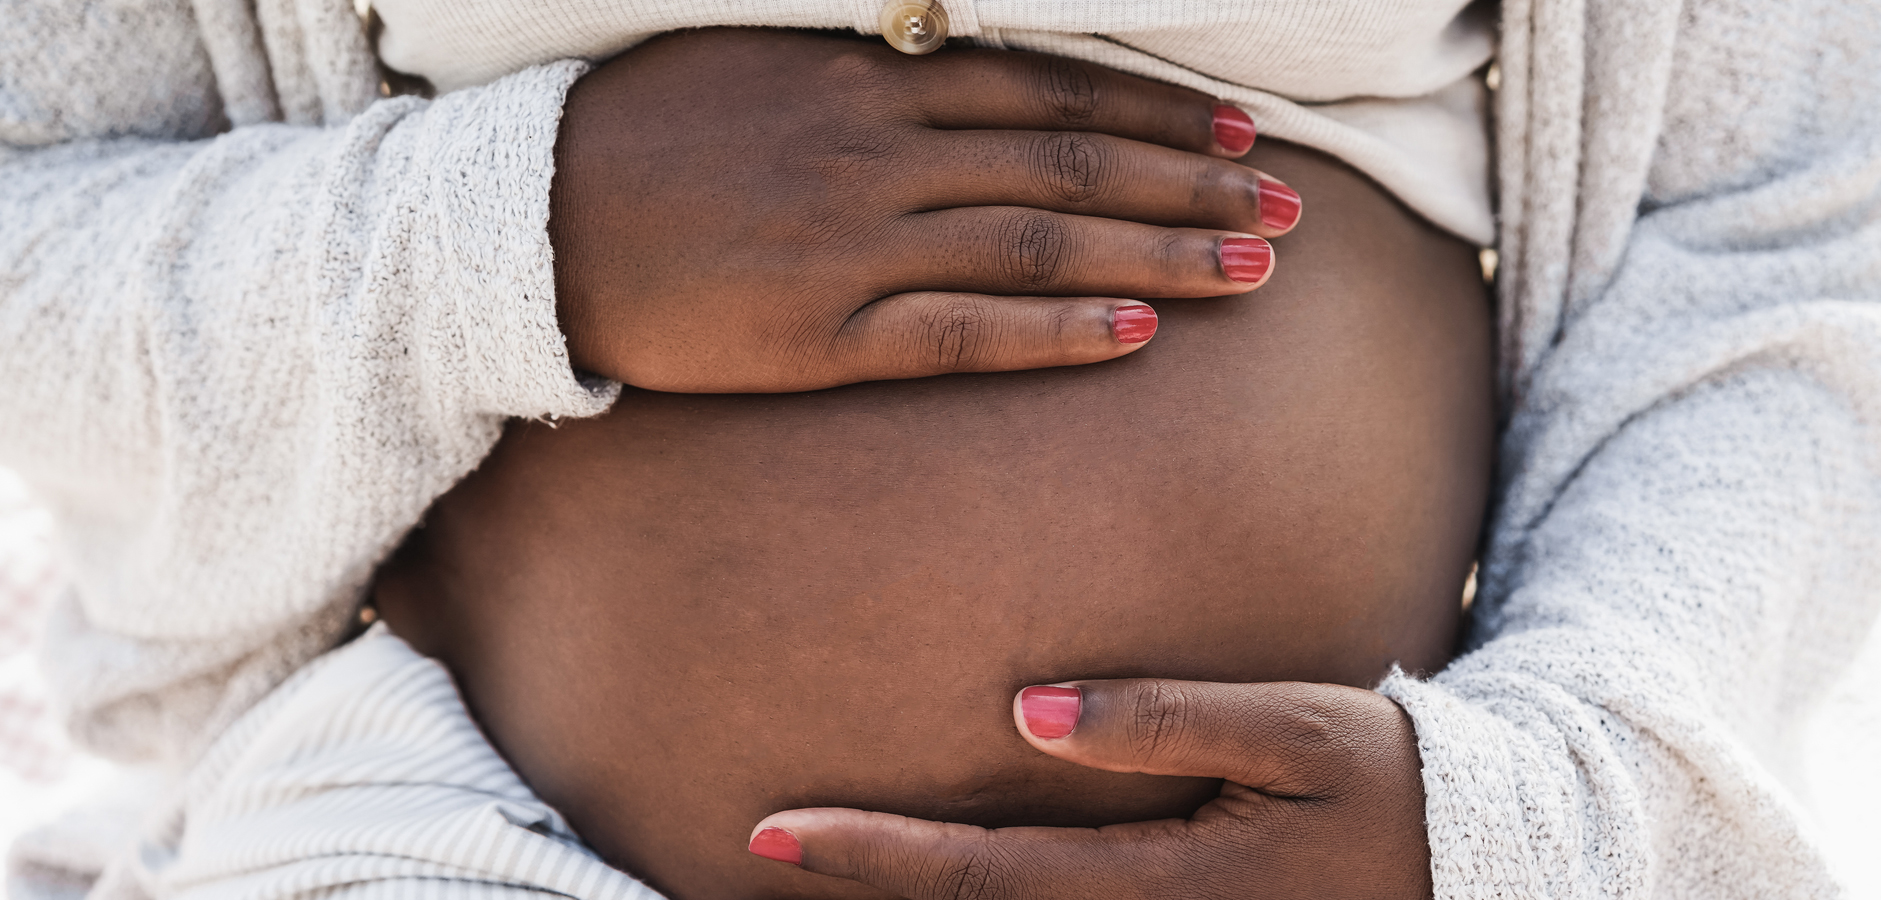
(252, 320)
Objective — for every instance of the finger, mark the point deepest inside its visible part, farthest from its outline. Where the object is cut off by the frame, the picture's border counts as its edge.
(933, 333)
(1100, 175)
(1015, 251)
(1285, 738)
(1034, 91)
(923, 860)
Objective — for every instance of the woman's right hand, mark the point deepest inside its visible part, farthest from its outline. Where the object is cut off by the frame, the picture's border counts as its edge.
(741, 211)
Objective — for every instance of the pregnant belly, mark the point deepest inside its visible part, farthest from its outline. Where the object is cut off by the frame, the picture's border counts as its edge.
(699, 610)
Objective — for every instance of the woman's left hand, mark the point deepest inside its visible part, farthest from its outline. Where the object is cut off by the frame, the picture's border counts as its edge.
(1323, 797)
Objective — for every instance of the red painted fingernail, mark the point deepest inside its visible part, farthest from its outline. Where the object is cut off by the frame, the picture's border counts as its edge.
(1280, 205)
(777, 844)
(1246, 259)
(1133, 324)
(1050, 712)
(1234, 131)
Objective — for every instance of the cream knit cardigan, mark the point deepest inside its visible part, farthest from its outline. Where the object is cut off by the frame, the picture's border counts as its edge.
(254, 319)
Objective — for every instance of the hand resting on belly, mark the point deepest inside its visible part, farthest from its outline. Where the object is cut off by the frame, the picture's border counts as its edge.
(699, 610)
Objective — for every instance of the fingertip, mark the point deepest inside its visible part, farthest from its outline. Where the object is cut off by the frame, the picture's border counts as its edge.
(781, 836)
(1247, 261)
(1133, 325)
(1280, 206)
(772, 842)
(1048, 712)
(1234, 131)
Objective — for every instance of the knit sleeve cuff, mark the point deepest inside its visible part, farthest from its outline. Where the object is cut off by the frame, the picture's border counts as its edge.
(497, 340)
(1501, 809)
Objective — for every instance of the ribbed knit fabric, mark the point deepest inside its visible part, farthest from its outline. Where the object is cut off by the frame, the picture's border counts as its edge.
(238, 367)
(362, 776)
(1387, 85)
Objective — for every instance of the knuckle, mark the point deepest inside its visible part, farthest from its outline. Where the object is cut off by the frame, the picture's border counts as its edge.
(1059, 323)
(1232, 195)
(1159, 715)
(860, 145)
(1036, 245)
(970, 876)
(966, 880)
(1070, 165)
(1309, 730)
(842, 173)
(1324, 742)
(959, 332)
(1175, 252)
(1068, 91)
(859, 75)
(830, 229)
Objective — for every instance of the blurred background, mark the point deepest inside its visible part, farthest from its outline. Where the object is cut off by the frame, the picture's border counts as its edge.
(41, 774)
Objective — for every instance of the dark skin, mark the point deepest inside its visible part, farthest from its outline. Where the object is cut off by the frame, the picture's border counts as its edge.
(870, 215)
(700, 611)
(1317, 783)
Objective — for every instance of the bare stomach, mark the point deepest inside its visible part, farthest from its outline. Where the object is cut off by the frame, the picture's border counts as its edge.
(699, 610)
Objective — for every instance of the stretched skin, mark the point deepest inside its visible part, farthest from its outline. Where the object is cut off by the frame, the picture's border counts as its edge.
(694, 611)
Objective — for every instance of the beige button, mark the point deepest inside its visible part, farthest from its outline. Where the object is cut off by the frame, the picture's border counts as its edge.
(914, 26)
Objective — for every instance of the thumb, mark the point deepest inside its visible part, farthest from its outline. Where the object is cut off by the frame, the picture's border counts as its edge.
(924, 860)
(1290, 739)
(935, 332)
